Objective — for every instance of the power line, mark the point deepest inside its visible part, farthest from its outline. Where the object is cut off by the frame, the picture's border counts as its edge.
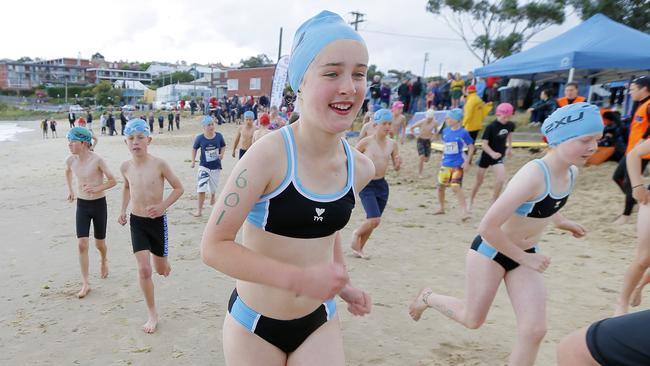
(422, 37)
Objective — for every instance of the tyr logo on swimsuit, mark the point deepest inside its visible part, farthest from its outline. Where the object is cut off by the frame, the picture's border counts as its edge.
(564, 121)
(319, 212)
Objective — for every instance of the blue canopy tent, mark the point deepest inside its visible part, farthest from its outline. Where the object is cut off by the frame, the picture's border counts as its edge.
(598, 50)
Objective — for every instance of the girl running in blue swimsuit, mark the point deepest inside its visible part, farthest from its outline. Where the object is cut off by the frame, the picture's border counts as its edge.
(506, 247)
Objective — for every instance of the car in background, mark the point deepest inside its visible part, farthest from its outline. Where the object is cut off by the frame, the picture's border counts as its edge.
(76, 108)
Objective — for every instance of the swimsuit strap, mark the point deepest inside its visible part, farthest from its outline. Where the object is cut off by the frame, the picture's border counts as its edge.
(547, 175)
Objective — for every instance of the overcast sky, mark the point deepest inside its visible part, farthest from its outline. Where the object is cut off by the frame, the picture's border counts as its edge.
(227, 31)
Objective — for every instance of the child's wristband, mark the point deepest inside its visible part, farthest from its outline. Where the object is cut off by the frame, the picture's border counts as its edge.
(637, 186)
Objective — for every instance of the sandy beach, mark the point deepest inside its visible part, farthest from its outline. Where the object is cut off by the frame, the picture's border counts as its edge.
(43, 323)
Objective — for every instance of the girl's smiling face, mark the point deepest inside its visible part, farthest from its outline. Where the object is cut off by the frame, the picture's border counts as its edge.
(334, 85)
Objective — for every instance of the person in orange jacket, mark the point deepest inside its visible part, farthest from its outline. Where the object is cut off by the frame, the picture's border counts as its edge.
(570, 95)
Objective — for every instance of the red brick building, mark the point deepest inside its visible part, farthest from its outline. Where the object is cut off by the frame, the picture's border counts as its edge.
(250, 82)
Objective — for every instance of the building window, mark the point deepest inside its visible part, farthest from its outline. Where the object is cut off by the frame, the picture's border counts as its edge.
(255, 84)
(233, 84)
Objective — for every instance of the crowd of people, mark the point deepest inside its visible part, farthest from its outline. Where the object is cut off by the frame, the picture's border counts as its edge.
(289, 262)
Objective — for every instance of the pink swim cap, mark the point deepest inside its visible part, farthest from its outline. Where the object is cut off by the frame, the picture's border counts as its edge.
(504, 109)
(396, 105)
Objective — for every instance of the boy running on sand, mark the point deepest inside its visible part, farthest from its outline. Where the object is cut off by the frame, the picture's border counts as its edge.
(90, 170)
(144, 184)
(427, 130)
(374, 196)
(245, 133)
(212, 146)
(454, 163)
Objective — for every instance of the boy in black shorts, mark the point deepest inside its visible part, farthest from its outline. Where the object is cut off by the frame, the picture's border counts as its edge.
(144, 183)
(619, 341)
(496, 144)
(90, 170)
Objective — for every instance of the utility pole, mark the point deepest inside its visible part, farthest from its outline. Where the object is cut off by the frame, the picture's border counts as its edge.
(280, 46)
(424, 66)
(358, 18)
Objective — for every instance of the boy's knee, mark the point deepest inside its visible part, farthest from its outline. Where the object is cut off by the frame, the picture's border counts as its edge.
(144, 273)
(83, 245)
(374, 222)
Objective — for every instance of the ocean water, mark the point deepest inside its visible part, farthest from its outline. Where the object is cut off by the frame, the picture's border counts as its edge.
(9, 130)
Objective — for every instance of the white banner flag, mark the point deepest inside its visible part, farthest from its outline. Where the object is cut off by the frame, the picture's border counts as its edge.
(279, 80)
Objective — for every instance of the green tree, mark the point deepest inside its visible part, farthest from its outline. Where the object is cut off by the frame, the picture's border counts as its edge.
(24, 59)
(372, 71)
(633, 13)
(106, 94)
(493, 29)
(144, 66)
(256, 61)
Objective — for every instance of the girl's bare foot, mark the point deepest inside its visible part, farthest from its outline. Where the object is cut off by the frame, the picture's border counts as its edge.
(440, 211)
(196, 214)
(85, 289)
(419, 304)
(151, 324)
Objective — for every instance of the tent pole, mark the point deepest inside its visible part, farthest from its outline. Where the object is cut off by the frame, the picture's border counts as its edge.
(571, 71)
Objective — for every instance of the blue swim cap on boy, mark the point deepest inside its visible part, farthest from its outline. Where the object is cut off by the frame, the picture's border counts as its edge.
(571, 121)
(382, 115)
(249, 114)
(376, 107)
(206, 120)
(455, 114)
(137, 125)
(80, 134)
(312, 36)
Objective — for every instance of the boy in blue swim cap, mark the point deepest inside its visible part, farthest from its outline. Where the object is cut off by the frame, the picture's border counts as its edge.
(144, 183)
(211, 146)
(374, 196)
(90, 170)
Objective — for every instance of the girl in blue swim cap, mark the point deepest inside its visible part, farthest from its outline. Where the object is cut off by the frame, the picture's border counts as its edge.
(506, 248)
(292, 192)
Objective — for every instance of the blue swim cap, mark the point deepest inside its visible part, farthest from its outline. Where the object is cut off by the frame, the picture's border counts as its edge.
(382, 116)
(249, 114)
(455, 114)
(207, 120)
(80, 134)
(571, 121)
(312, 36)
(376, 107)
(137, 125)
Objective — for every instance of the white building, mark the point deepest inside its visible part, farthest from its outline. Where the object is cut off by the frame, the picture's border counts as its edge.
(174, 92)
